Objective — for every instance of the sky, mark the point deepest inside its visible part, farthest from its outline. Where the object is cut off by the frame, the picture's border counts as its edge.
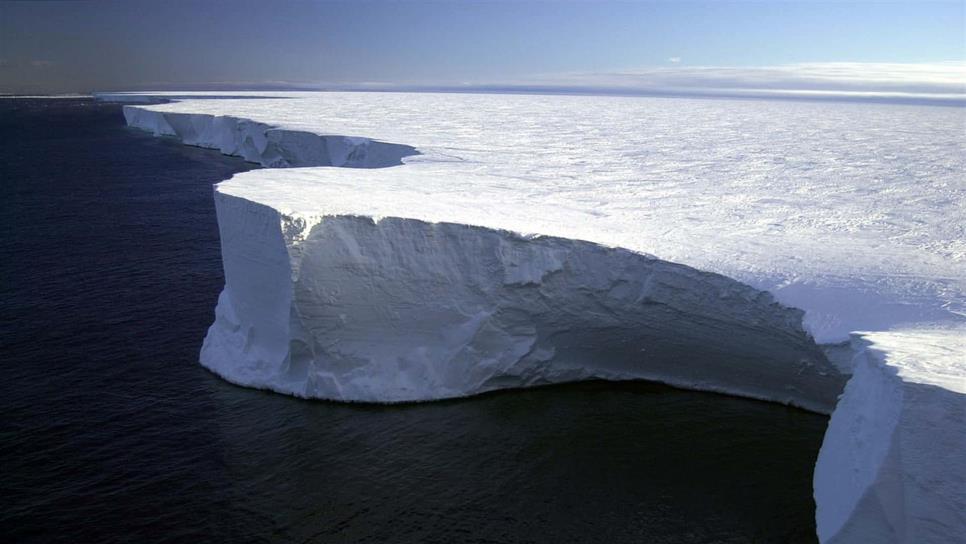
(915, 48)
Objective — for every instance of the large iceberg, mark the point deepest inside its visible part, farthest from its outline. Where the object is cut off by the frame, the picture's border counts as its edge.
(486, 242)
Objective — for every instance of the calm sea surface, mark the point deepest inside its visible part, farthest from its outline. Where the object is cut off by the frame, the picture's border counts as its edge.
(112, 432)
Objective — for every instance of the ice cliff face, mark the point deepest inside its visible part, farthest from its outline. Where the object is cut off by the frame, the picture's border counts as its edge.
(350, 308)
(265, 145)
(892, 467)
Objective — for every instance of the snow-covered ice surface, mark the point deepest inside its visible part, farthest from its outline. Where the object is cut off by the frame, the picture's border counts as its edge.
(532, 239)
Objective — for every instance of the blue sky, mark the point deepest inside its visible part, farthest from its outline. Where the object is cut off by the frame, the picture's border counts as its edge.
(82, 46)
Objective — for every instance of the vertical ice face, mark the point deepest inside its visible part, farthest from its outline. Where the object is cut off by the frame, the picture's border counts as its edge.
(252, 316)
(348, 308)
(892, 467)
(267, 146)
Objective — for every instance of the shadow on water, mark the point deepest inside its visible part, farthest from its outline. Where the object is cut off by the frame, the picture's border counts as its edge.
(113, 433)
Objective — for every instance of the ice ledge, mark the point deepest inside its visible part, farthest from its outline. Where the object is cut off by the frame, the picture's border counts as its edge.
(351, 308)
(892, 468)
(266, 145)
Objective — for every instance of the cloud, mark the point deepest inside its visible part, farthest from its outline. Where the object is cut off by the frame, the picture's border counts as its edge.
(941, 81)
(41, 63)
(674, 60)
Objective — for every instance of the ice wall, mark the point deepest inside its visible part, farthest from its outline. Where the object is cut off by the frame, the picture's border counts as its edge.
(265, 145)
(892, 467)
(350, 308)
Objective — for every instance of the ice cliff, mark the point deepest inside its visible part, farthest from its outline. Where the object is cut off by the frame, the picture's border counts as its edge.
(520, 249)
(353, 308)
(265, 145)
(892, 466)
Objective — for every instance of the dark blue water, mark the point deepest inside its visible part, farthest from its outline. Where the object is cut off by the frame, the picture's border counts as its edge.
(111, 431)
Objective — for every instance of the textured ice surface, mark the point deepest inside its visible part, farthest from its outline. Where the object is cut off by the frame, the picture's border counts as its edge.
(533, 240)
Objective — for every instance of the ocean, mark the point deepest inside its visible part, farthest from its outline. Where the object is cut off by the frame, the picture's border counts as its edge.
(112, 431)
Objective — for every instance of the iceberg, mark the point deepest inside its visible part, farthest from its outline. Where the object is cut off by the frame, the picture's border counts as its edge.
(772, 250)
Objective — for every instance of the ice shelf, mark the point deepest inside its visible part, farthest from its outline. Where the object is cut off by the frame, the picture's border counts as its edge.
(485, 242)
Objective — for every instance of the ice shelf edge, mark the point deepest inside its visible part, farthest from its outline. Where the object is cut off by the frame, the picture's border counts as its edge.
(898, 526)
